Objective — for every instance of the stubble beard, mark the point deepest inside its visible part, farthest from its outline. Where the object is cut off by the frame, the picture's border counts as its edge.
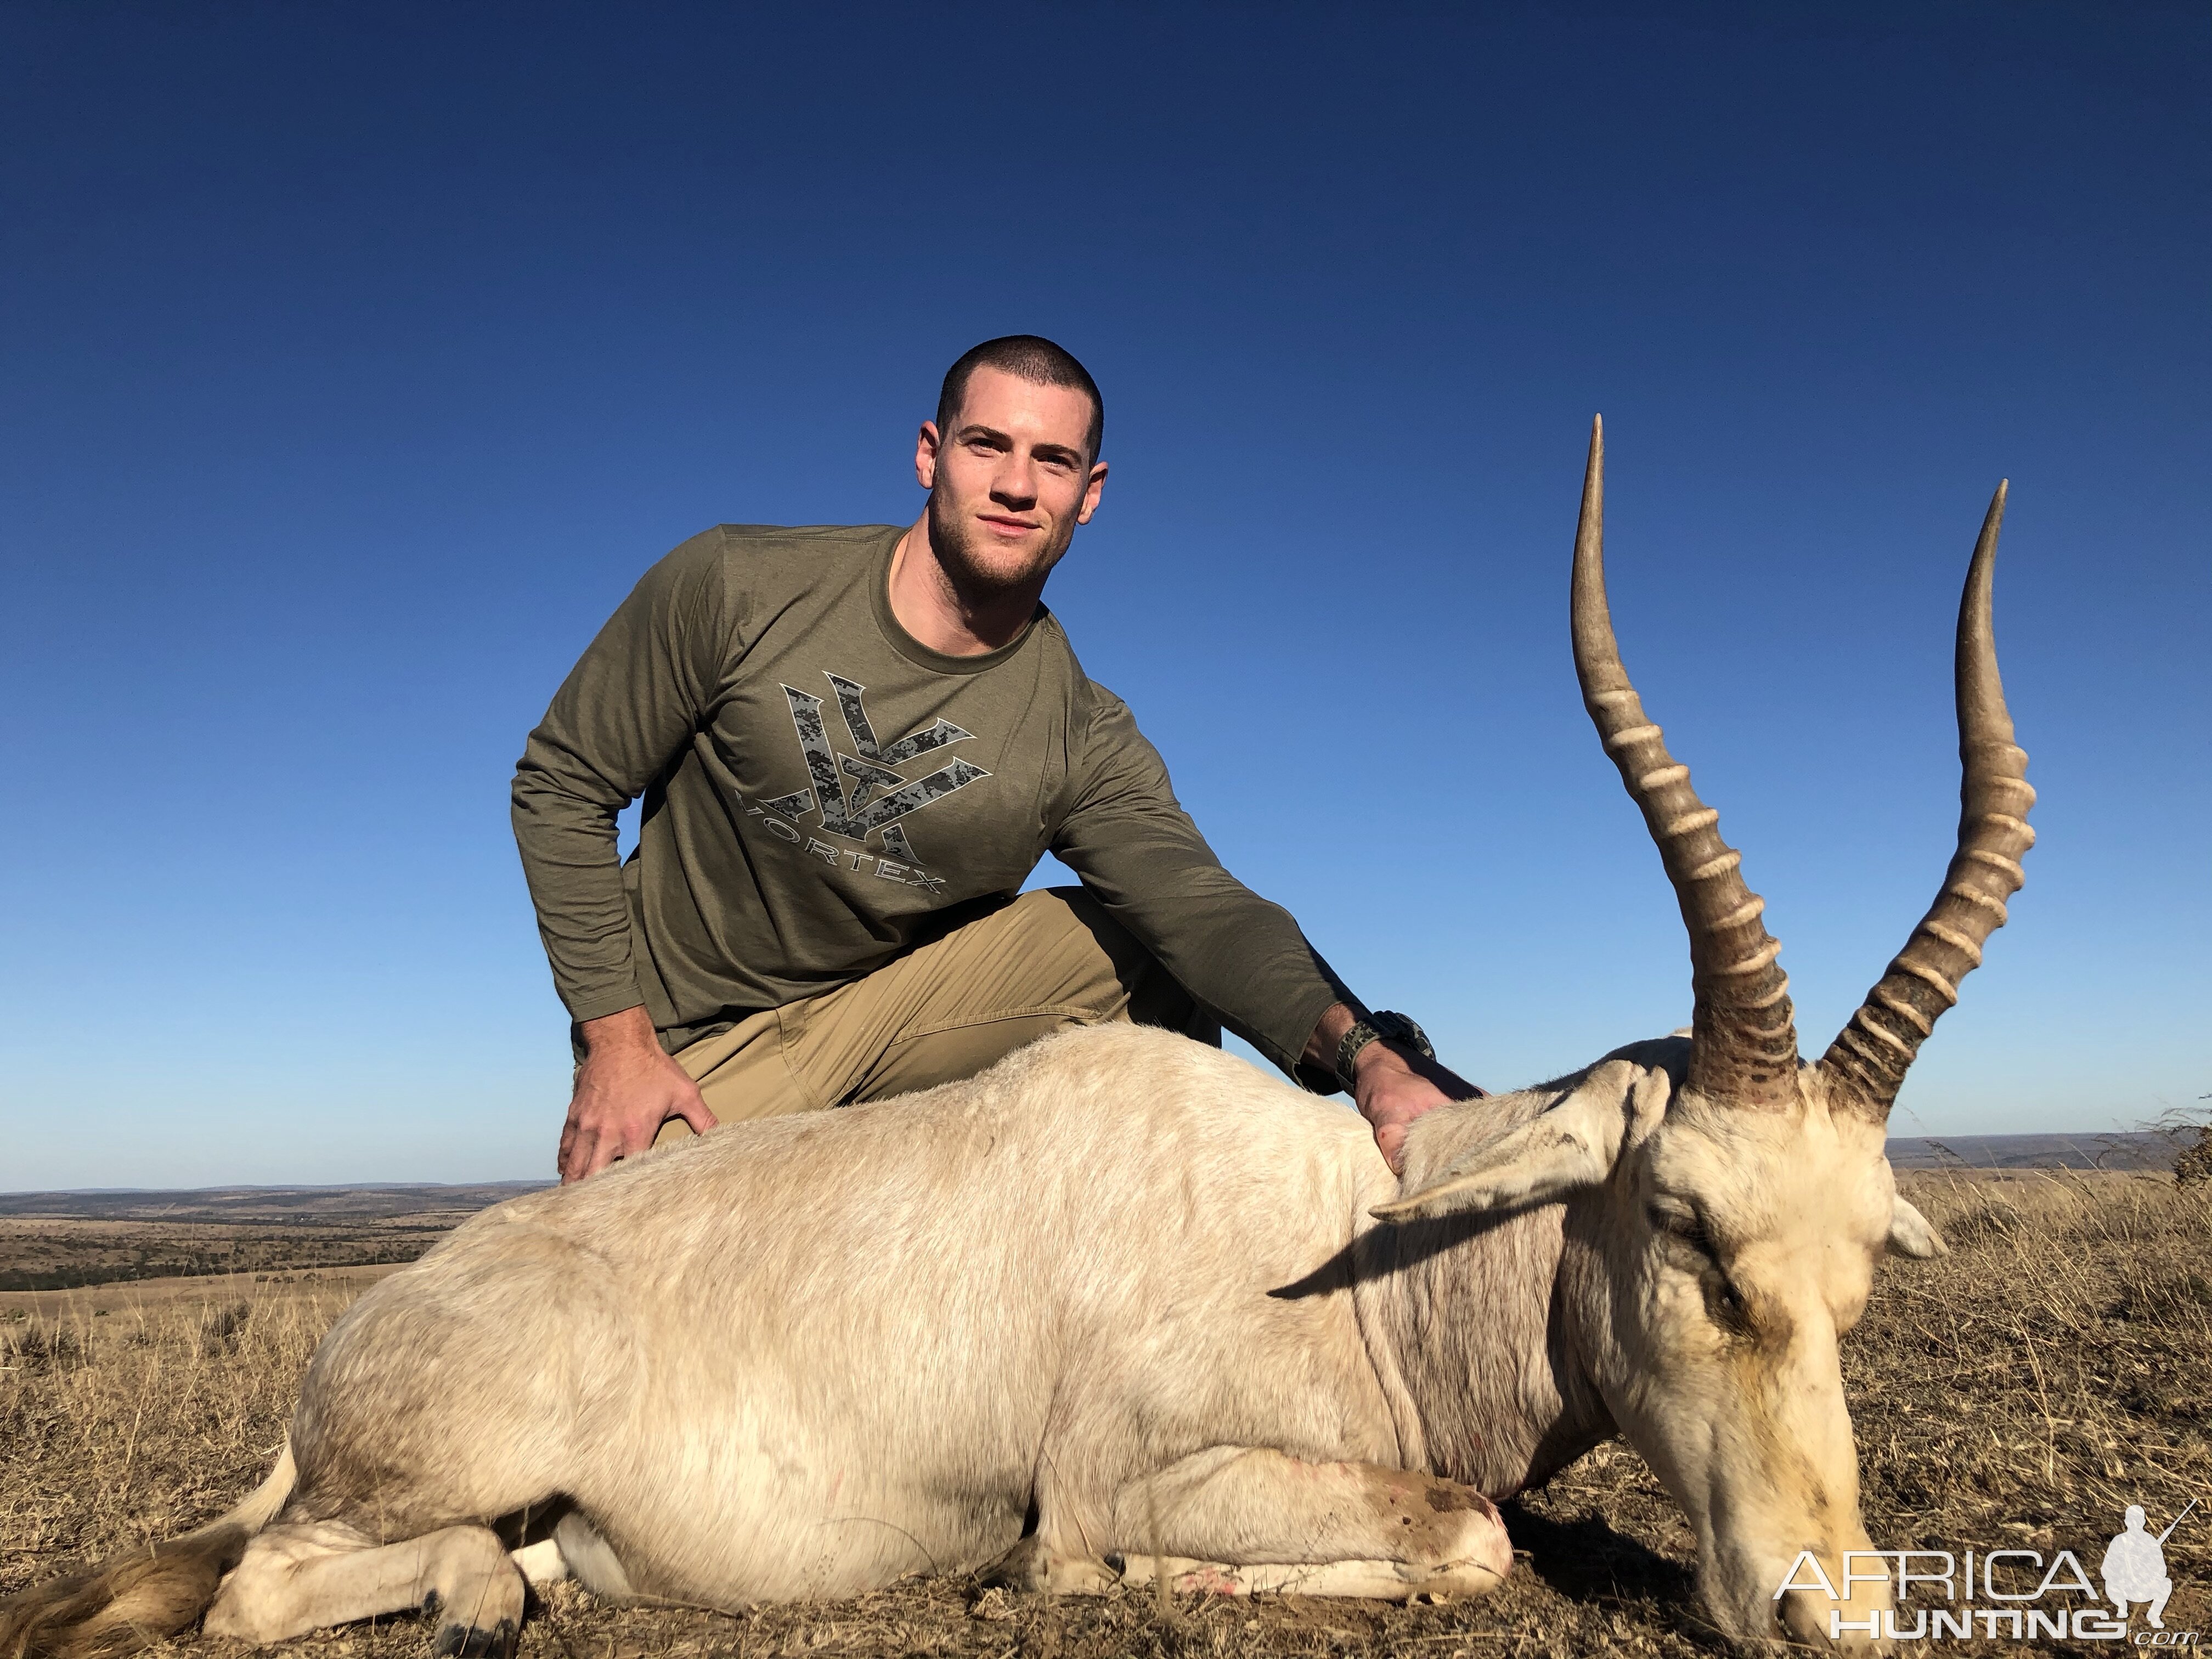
(977, 584)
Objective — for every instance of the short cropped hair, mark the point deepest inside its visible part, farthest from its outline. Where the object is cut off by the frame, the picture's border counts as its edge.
(1028, 357)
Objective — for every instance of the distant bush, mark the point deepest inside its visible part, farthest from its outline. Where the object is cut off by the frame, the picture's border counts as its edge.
(2192, 1166)
(2190, 1134)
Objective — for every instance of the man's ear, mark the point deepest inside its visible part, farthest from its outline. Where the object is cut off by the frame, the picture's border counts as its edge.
(1094, 488)
(1571, 1145)
(926, 443)
(1912, 1234)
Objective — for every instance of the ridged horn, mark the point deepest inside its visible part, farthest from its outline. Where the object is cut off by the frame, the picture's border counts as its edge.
(1868, 1060)
(1745, 1046)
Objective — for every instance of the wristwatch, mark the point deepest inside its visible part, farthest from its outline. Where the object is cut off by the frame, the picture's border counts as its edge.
(1383, 1026)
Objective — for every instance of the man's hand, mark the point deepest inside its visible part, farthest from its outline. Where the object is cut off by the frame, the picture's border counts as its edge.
(626, 1088)
(1395, 1089)
(1392, 1088)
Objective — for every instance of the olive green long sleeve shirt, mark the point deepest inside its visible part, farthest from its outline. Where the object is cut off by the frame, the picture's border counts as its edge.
(823, 792)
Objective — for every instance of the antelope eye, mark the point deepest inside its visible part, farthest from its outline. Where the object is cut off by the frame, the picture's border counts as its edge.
(1674, 1224)
(1726, 1306)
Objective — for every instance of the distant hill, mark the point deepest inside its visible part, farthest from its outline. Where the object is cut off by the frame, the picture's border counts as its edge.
(310, 1207)
(59, 1241)
(2139, 1152)
(297, 1207)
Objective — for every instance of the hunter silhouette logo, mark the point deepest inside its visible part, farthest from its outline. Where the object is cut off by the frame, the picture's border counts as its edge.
(1988, 1594)
(859, 811)
(2135, 1566)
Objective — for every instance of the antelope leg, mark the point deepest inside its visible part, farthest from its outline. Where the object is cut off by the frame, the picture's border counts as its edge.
(1235, 1520)
(299, 1578)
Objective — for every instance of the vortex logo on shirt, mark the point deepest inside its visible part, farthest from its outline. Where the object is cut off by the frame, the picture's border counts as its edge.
(859, 811)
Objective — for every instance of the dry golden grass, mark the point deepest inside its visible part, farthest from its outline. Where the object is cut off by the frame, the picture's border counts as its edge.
(2022, 1393)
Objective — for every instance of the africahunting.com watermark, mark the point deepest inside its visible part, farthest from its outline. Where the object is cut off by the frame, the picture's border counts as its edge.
(2006, 1593)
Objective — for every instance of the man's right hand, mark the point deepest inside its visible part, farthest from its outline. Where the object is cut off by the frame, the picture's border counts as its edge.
(626, 1088)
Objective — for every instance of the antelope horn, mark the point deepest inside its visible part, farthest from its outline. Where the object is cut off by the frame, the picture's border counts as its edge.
(1745, 1046)
(1869, 1056)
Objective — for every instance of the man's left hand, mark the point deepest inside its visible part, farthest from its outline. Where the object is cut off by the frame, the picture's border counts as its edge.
(1395, 1089)
(1391, 1087)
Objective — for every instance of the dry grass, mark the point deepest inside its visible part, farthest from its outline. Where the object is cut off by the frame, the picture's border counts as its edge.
(2020, 1393)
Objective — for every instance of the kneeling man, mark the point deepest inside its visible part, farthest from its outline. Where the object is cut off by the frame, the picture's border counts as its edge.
(854, 745)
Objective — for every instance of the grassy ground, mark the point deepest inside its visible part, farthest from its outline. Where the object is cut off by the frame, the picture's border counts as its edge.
(2022, 1393)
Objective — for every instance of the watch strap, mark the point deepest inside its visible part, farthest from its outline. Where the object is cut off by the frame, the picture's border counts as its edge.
(1385, 1025)
(1348, 1050)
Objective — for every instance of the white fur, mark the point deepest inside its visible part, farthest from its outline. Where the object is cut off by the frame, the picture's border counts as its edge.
(1132, 1289)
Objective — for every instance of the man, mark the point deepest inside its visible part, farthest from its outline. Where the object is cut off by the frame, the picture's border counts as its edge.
(2135, 1569)
(854, 745)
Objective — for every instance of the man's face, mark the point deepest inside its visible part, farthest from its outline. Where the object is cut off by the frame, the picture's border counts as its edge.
(1010, 481)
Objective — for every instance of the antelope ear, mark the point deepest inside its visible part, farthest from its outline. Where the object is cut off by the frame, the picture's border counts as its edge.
(1912, 1234)
(1571, 1145)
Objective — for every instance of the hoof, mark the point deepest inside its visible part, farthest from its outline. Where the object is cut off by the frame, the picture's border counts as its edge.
(1035, 1566)
(458, 1641)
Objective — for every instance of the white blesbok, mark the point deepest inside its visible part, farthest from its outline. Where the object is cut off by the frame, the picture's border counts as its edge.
(1123, 1302)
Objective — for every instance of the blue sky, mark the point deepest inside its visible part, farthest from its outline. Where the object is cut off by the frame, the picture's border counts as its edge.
(358, 358)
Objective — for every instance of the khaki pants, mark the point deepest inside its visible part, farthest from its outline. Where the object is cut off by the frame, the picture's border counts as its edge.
(944, 1010)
